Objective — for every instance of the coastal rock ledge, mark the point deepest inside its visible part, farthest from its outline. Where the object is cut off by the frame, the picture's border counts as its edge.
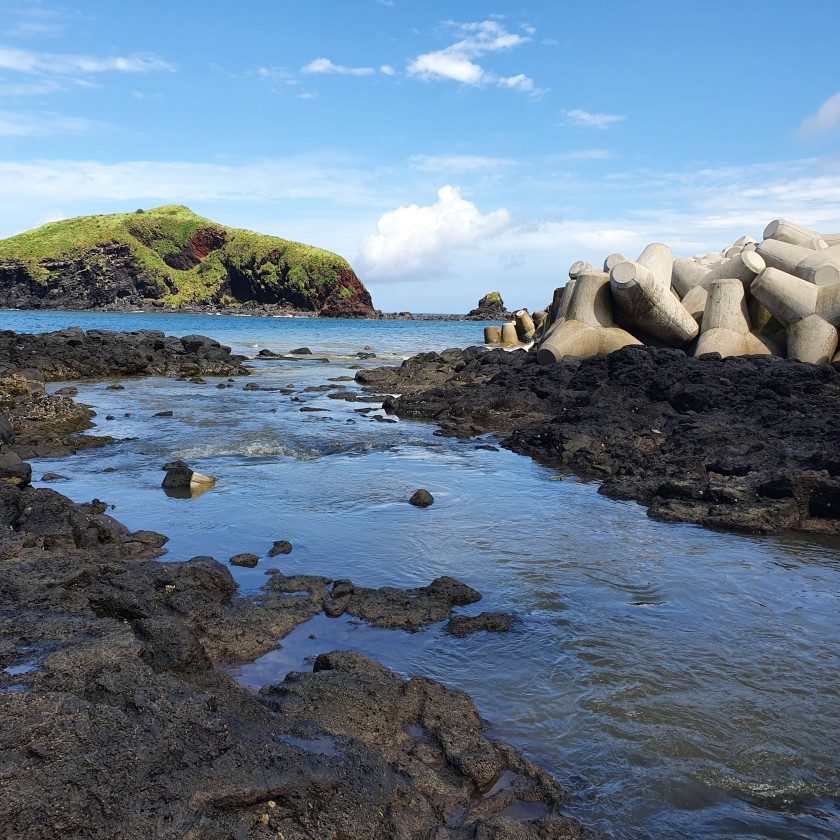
(745, 442)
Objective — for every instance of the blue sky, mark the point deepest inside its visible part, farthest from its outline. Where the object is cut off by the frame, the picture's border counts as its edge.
(445, 148)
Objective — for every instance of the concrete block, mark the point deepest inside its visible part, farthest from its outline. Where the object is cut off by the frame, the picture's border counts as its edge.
(726, 323)
(659, 259)
(812, 340)
(820, 267)
(492, 335)
(588, 328)
(786, 231)
(686, 274)
(509, 336)
(650, 305)
(613, 260)
(524, 325)
(580, 267)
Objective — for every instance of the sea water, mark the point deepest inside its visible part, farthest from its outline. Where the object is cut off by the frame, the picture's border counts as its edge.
(681, 682)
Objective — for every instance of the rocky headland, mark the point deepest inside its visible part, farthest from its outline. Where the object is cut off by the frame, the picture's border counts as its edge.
(117, 716)
(171, 258)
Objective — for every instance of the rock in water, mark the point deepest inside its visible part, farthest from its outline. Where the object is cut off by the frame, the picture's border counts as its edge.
(246, 560)
(490, 308)
(421, 498)
(181, 476)
(280, 547)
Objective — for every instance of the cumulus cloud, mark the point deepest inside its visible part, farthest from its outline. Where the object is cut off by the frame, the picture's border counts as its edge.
(26, 61)
(416, 242)
(387, 70)
(826, 119)
(579, 117)
(457, 62)
(324, 65)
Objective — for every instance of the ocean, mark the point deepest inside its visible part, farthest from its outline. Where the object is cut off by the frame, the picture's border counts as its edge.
(681, 682)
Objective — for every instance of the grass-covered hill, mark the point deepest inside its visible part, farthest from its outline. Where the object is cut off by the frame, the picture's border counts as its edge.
(172, 256)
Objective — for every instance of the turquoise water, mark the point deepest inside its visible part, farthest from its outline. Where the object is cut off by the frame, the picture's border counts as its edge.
(682, 682)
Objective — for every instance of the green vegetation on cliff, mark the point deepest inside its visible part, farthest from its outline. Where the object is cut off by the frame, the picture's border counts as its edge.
(190, 259)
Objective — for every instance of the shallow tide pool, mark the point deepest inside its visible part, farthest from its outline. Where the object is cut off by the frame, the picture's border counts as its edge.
(681, 682)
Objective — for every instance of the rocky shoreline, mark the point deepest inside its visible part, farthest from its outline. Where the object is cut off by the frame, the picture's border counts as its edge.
(117, 718)
(747, 442)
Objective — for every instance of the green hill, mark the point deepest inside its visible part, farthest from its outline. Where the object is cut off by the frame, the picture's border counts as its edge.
(173, 256)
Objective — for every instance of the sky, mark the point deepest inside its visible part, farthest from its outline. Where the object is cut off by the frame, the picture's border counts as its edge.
(446, 149)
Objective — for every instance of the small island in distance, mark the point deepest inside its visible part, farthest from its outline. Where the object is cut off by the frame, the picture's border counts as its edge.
(170, 257)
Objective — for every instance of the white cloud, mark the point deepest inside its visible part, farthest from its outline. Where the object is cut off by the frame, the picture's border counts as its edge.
(324, 65)
(26, 61)
(14, 124)
(826, 119)
(460, 163)
(387, 70)
(417, 242)
(61, 182)
(585, 154)
(456, 62)
(579, 117)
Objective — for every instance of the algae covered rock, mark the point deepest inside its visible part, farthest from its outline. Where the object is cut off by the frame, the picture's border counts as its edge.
(173, 257)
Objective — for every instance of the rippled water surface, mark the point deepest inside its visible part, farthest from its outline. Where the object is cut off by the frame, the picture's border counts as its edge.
(681, 682)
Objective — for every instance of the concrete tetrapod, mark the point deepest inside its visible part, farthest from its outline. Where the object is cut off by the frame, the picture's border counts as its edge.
(786, 231)
(509, 336)
(686, 274)
(650, 305)
(820, 267)
(726, 323)
(811, 313)
(524, 325)
(588, 329)
(613, 260)
(560, 305)
(744, 267)
(659, 259)
(492, 335)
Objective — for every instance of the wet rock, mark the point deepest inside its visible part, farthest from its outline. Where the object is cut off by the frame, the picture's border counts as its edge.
(363, 355)
(164, 414)
(73, 354)
(53, 476)
(14, 470)
(431, 736)
(265, 353)
(421, 498)
(251, 386)
(410, 609)
(181, 476)
(248, 561)
(311, 408)
(301, 351)
(280, 547)
(643, 420)
(489, 622)
(67, 391)
(116, 386)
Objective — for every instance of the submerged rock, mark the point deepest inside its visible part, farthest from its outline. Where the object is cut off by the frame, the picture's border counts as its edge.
(421, 498)
(280, 547)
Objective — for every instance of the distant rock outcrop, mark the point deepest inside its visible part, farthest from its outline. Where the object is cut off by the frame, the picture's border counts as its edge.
(490, 308)
(169, 256)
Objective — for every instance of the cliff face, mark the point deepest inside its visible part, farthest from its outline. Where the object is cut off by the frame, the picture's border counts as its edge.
(173, 256)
